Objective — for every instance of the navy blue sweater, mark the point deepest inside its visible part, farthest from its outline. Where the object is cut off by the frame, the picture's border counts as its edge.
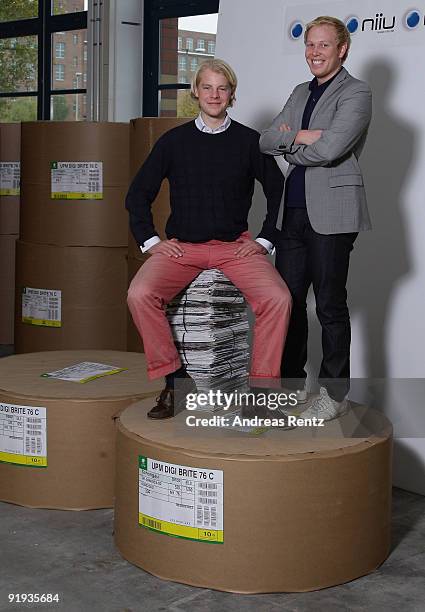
(211, 180)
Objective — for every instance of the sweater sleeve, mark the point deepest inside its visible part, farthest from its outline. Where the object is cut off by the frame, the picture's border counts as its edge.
(143, 191)
(268, 173)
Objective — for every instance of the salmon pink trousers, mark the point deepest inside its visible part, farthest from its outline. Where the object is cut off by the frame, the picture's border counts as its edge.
(162, 277)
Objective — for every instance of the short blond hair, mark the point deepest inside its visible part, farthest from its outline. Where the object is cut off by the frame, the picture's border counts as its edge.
(342, 33)
(216, 65)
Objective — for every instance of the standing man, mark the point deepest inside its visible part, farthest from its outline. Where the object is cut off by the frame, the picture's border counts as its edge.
(211, 164)
(321, 132)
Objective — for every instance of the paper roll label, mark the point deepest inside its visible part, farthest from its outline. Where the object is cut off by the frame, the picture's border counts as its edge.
(77, 180)
(10, 178)
(42, 307)
(23, 435)
(181, 501)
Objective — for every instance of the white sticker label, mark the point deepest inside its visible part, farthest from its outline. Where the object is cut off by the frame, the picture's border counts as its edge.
(77, 180)
(42, 307)
(83, 372)
(23, 435)
(181, 501)
(10, 178)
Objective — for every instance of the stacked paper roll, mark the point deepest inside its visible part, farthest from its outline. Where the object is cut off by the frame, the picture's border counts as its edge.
(71, 271)
(210, 326)
(10, 154)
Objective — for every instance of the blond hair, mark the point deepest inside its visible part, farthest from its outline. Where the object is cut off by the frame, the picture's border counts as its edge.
(341, 31)
(219, 66)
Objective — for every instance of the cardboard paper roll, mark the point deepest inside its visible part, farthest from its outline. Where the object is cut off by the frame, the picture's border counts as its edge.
(10, 153)
(57, 438)
(294, 510)
(75, 219)
(90, 284)
(144, 133)
(7, 288)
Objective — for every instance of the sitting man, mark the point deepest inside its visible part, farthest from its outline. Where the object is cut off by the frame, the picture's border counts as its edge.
(211, 164)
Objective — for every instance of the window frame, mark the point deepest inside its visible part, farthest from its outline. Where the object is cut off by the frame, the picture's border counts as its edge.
(154, 12)
(43, 26)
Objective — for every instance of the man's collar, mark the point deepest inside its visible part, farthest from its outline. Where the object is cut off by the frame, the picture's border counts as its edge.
(203, 127)
(314, 84)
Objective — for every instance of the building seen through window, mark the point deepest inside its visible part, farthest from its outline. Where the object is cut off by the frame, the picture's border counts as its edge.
(182, 50)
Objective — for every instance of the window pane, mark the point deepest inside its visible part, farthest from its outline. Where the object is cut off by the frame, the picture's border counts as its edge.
(69, 107)
(18, 64)
(60, 7)
(184, 43)
(18, 109)
(177, 103)
(69, 59)
(13, 9)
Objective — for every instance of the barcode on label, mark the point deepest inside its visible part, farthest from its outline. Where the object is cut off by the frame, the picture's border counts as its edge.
(33, 446)
(207, 485)
(213, 517)
(151, 523)
(207, 500)
(53, 315)
(33, 420)
(199, 515)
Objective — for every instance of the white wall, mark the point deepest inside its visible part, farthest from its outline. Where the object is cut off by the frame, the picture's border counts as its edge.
(387, 273)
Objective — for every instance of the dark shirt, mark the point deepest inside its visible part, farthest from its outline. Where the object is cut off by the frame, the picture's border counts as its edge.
(211, 179)
(295, 184)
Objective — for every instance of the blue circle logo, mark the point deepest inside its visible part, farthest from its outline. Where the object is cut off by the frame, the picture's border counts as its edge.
(352, 24)
(412, 19)
(296, 30)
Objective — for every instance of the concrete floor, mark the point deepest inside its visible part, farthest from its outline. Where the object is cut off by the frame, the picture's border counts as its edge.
(73, 554)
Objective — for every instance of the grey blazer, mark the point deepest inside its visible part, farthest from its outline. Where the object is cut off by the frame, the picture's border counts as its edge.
(335, 194)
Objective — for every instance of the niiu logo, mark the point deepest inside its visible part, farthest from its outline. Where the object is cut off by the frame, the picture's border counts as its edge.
(378, 23)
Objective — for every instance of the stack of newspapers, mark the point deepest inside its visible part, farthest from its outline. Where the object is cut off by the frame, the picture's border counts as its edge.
(210, 326)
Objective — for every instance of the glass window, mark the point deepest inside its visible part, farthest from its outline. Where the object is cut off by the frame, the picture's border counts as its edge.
(182, 62)
(183, 79)
(193, 64)
(189, 44)
(18, 64)
(18, 109)
(211, 47)
(84, 78)
(180, 104)
(60, 72)
(11, 11)
(201, 45)
(71, 62)
(75, 39)
(179, 42)
(60, 7)
(85, 54)
(60, 50)
(69, 107)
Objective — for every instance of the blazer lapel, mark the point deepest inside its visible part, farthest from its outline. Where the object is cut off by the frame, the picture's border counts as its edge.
(334, 86)
(300, 106)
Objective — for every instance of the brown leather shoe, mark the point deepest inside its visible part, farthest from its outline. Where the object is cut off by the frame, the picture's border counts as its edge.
(164, 408)
(169, 400)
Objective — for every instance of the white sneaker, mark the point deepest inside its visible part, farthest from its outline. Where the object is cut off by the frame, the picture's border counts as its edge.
(302, 396)
(324, 407)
